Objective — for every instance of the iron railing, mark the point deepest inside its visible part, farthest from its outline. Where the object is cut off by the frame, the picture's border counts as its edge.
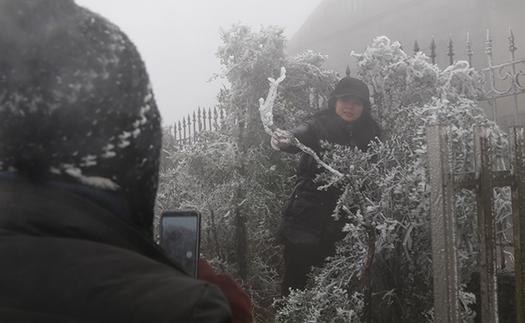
(499, 80)
(187, 130)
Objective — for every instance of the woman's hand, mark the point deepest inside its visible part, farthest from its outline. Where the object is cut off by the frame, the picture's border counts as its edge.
(281, 139)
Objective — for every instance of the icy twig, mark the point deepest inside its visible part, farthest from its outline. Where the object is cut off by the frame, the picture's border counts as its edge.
(266, 107)
(266, 111)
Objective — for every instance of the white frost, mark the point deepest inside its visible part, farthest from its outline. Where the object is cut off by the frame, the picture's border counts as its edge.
(125, 135)
(108, 151)
(136, 133)
(94, 181)
(54, 170)
(124, 144)
(89, 160)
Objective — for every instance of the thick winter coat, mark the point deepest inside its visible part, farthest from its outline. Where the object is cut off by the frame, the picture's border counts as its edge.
(68, 259)
(307, 218)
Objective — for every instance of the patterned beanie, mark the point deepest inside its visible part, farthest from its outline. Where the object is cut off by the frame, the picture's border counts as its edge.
(76, 104)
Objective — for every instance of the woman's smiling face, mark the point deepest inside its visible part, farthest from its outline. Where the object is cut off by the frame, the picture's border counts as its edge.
(349, 108)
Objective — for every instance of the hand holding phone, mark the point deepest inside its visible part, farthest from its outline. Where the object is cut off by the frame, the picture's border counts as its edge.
(179, 237)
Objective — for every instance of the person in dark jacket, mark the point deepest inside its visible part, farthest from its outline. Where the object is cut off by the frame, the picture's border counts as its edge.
(80, 140)
(307, 230)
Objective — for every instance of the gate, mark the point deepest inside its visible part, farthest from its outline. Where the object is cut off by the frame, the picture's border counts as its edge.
(443, 185)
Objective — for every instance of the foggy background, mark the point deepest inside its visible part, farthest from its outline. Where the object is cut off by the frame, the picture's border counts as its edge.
(178, 41)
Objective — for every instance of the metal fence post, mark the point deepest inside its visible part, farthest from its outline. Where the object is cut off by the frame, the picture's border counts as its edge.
(487, 241)
(443, 225)
(517, 160)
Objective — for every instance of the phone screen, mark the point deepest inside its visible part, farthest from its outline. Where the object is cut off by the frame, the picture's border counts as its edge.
(179, 237)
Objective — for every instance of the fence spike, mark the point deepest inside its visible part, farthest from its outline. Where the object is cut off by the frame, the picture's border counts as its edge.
(194, 121)
(204, 119)
(470, 50)
(433, 50)
(209, 118)
(512, 44)
(450, 46)
(184, 126)
(488, 48)
(199, 120)
(416, 47)
(179, 130)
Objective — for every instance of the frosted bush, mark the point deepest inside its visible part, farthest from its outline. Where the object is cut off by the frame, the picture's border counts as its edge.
(391, 178)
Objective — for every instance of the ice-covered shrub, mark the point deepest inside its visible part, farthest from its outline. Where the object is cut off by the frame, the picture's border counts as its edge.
(391, 180)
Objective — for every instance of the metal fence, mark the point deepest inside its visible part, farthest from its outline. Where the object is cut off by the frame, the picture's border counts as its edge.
(502, 89)
(503, 80)
(187, 130)
(443, 185)
(499, 80)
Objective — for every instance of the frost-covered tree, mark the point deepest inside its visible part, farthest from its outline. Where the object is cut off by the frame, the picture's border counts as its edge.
(232, 175)
(388, 185)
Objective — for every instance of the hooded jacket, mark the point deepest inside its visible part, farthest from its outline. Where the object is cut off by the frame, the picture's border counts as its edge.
(80, 142)
(66, 258)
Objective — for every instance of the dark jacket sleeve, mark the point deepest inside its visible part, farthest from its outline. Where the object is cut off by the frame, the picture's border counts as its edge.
(306, 134)
(212, 307)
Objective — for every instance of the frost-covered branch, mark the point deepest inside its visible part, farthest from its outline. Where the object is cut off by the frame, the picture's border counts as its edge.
(266, 111)
(266, 107)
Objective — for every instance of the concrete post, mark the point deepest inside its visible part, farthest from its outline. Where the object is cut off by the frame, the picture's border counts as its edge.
(443, 225)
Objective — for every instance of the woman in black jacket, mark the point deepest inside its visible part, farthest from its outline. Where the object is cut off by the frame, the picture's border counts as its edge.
(307, 230)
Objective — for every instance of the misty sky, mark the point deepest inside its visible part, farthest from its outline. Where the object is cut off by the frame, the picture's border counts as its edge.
(178, 40)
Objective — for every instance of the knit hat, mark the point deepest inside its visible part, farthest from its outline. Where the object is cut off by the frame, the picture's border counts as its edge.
(76, 104)
(350, 86)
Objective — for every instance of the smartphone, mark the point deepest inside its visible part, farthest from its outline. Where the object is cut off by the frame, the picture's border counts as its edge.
(180, 237)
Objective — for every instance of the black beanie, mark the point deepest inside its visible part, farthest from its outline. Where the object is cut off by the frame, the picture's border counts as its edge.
(76, 103)
(350, 86)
